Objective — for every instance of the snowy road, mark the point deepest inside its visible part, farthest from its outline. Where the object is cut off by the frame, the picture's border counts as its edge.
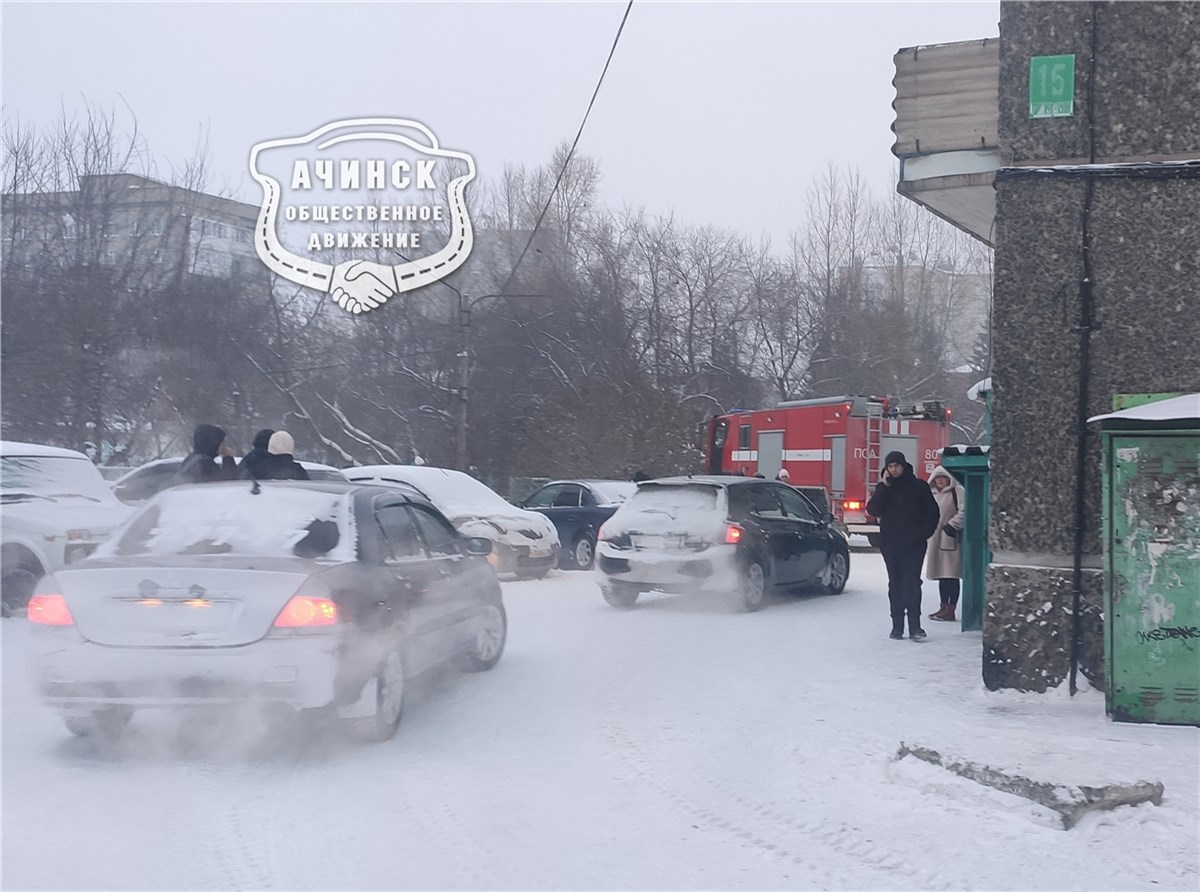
(672, 746)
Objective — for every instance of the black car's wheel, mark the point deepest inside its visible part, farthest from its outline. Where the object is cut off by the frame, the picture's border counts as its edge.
(583, 554)
(488, 644)
(17, 583)
(620, 594)
(837, 573)
(391, 687)
(108, 724)
(751, 592)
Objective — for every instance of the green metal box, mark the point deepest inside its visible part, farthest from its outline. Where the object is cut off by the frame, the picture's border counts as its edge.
(969, 465)
(1151, 514)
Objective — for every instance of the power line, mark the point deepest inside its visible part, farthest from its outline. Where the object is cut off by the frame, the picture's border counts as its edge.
(566, 162)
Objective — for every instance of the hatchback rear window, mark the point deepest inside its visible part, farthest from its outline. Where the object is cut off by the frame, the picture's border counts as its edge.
(672, 500)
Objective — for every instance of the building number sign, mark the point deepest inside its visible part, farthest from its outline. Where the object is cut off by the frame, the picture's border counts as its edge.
(1051, 86)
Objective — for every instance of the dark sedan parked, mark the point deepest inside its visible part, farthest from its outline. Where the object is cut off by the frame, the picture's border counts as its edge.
(739, 536)
(311, 596)
(578, 508)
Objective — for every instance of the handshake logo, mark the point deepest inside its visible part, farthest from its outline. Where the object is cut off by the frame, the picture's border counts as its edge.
(366, 198)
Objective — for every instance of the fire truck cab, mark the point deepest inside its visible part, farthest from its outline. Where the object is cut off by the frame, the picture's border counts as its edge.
(837, 443)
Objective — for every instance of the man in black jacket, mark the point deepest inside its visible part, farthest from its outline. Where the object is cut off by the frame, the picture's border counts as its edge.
(908, 515)
(257, 453)
(208, 442)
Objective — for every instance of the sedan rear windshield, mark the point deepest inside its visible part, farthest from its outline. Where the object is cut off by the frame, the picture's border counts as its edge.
(278, 521)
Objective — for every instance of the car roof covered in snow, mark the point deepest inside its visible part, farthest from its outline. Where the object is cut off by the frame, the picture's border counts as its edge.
(35, 450)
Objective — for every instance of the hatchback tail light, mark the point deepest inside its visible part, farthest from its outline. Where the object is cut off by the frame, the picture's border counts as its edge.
(734, 534)
(49, 610)
(306, 611)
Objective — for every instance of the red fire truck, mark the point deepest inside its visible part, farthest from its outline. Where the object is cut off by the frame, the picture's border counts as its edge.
(837, 444)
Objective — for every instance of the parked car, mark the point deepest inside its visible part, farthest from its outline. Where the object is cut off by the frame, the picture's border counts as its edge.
(310, 596)
(740, 536)
(55, 508)
(577, 508)
(144, 481)
(523, 542)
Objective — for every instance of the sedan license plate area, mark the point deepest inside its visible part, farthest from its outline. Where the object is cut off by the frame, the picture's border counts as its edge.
(173, 616)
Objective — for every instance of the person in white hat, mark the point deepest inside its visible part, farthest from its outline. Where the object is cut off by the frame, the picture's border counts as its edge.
(279, 463)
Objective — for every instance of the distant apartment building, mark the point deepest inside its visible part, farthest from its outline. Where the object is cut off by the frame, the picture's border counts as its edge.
(147, 229)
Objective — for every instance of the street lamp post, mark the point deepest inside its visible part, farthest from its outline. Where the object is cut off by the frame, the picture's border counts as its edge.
(464, 364)
(464, 371)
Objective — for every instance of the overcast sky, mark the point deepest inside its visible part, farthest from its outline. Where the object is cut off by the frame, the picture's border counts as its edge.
(721, 113)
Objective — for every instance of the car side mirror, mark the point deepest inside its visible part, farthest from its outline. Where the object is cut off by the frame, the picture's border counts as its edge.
(826, 519)
(478, 546)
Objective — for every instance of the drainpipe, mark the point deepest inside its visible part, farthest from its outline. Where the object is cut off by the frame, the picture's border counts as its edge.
(1086, 326)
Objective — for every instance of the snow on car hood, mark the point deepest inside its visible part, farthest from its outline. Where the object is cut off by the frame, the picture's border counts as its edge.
(515, 528)
(54, 516)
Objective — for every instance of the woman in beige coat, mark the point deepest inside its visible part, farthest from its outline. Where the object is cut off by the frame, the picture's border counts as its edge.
(944, 562)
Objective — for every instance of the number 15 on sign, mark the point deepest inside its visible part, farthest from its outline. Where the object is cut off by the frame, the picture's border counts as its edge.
(1051, 86)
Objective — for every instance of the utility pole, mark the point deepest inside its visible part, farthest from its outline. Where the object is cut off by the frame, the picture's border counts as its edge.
(461, 420)
(464, 369)
(464, 374)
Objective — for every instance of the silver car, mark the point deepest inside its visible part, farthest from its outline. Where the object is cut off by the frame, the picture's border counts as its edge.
(524, 543)
(310, 596)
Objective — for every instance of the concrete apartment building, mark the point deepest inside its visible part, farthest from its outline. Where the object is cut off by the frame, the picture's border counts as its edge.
(124, 219)
(1071, 144)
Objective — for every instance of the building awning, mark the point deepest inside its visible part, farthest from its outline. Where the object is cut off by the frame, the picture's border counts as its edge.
(947, 122)
(1173, 409)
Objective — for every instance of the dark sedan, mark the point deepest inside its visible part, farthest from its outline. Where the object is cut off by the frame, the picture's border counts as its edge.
(739, 536)
(310, 596)
(578, 508)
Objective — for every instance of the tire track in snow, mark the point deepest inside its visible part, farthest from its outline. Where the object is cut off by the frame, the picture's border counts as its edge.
(832, 835)
(748, 826)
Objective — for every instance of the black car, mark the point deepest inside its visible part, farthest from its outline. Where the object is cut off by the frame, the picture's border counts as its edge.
(578, 508)
(740, 536)
(309, 596)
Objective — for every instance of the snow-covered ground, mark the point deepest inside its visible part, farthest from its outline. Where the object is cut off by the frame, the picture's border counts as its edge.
(672, 746)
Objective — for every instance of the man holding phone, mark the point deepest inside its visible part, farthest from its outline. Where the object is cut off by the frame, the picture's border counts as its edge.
(908, 515)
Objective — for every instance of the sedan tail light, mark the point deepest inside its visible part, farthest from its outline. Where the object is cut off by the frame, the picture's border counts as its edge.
(49, 610)
(306, 611)
(734, 534)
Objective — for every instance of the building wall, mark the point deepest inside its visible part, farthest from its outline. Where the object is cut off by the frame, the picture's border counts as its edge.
(1145, 247)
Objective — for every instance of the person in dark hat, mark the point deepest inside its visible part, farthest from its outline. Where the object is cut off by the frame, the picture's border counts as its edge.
(257, 453)
(208, 443)
(908, 514)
